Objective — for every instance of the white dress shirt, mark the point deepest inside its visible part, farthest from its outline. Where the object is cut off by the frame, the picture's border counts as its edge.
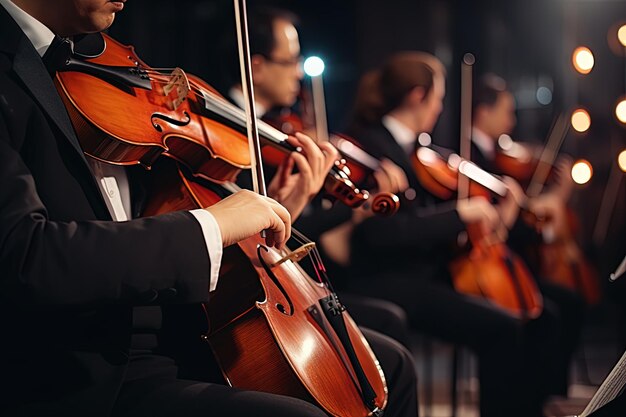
(112, 179)
(401, 133)
(484, 143)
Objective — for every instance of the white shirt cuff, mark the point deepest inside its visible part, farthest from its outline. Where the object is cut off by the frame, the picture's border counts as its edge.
(213, 239)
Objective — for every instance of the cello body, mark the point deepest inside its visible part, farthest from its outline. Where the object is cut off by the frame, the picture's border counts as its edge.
(489, 269)
(267, 326)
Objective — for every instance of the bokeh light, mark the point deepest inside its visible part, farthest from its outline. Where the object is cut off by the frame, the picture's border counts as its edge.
(620, 110)
(621, 35)
(581, 121)
(583, 61)
(544, 95)
(582, 171)
(621, 160)
(313, 66)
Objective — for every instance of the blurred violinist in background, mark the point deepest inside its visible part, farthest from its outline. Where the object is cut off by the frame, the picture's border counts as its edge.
(548, 245)
(396, 103)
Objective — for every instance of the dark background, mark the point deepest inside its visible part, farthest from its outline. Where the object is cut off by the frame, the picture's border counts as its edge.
(528, 42)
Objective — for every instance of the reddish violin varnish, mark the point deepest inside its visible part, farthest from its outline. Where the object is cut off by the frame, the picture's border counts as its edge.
(559, 260)
(267, 327)
(261, 329)
(125, 124)
(490, 269)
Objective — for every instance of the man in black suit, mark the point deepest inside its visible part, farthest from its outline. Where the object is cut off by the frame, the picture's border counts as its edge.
(79, 293)
(394, 105)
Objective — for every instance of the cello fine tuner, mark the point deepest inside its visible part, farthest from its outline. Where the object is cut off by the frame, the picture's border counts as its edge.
(296, 255)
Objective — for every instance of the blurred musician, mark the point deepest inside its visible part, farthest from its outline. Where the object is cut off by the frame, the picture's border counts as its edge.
(493, 114)
(276, 75)
(396, 103)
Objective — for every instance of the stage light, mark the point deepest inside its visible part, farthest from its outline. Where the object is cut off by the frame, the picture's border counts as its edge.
(582, 172)
(621, 160)
(313, 66)
(621, 35)
(581, 120)
(620, 110)
(582, 58)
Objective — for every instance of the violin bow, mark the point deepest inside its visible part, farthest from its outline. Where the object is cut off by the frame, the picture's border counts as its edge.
(243, 43)
(548, 156)
(466, 120)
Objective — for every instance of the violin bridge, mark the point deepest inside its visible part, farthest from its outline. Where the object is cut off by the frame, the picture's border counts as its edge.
(178, 83)
(296, 255)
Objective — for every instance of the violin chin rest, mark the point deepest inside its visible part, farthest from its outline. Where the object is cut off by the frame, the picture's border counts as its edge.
(91, 45)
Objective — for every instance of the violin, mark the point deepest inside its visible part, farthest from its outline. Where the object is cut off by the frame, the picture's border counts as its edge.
(490, 269)
(517, 160)
(273, 327)
(355, 162)
(558, 257)
(173, 114)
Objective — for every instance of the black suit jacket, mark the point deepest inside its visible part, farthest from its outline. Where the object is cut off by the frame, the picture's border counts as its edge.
(521, 234)
(415, 240)
(69, 277)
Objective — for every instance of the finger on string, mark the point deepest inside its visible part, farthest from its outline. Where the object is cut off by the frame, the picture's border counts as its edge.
(329, 150)
(309, 147)
(303, 165)
(283, 170)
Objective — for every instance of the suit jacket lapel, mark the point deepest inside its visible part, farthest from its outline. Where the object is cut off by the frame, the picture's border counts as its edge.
(29, 67)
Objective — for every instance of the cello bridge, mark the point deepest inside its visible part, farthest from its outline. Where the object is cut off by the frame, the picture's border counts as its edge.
(296, 255)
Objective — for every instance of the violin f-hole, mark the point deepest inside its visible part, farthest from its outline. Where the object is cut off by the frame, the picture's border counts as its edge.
(169, 120)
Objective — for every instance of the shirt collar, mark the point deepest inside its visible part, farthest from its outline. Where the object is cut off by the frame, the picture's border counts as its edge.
(39, 35)
(483, 142)
(237, 96)
(400, 132)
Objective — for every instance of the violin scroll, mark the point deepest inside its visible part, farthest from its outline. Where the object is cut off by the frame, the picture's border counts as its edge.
(385, 204)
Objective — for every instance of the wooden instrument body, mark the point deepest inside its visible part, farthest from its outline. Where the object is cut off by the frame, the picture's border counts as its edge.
(489, 269)
(266, 326)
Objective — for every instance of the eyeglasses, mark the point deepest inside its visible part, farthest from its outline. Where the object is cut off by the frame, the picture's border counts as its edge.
(291, 62)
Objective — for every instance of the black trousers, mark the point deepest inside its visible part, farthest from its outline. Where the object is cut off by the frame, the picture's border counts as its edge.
(514, 356)
(568, 307)
(154, 387)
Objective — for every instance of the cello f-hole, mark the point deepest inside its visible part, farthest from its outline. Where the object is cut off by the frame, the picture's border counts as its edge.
(276, 282)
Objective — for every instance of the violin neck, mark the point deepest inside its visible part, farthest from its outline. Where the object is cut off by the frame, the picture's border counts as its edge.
(354, 153)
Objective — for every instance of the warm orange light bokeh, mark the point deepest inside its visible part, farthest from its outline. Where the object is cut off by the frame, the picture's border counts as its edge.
(581, 121)
(582, 171)
(621, 35)
(620, 110)
(582, 59)
(621, 160)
